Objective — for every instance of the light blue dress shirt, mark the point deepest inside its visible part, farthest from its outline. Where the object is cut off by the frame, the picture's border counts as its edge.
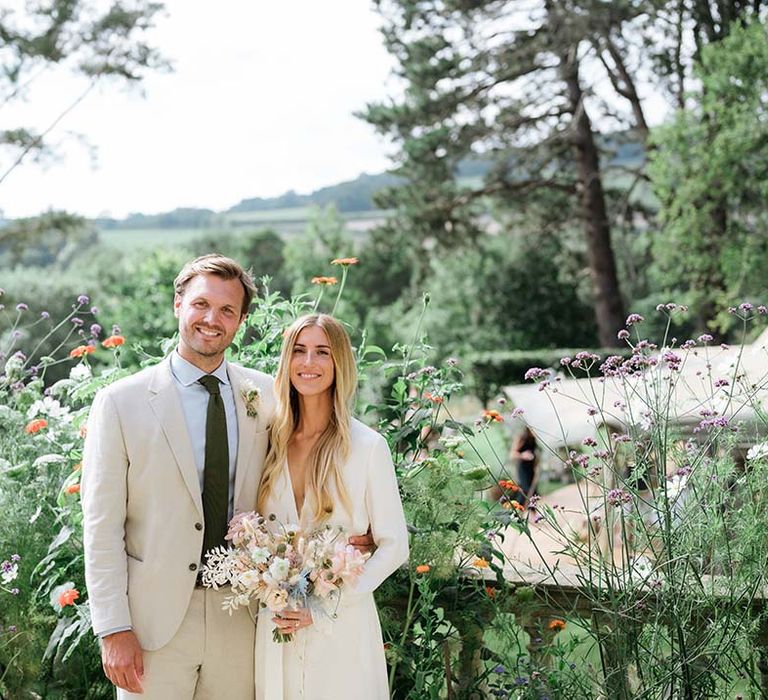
(194, 402)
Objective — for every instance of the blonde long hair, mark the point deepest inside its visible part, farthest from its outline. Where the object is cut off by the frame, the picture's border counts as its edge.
(333, 446)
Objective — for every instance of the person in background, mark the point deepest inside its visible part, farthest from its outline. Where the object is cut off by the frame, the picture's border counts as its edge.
(524, 454)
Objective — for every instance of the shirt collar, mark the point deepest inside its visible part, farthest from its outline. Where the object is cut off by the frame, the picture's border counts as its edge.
(187, 374)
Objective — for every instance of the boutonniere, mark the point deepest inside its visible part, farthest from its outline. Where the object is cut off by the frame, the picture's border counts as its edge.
(251, 396)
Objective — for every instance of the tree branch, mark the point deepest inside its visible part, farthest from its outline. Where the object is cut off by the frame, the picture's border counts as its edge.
(39, 139)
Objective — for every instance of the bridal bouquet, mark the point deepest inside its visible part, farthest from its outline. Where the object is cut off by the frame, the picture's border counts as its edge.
(280, 566)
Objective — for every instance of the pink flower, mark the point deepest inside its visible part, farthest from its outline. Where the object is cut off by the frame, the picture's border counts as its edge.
(323, 583)
(347, 563)
(277, 599)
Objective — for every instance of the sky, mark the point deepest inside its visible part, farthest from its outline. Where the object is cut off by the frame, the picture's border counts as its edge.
(260, 101)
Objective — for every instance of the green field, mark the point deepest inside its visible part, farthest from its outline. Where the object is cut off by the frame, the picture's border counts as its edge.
(286, 222)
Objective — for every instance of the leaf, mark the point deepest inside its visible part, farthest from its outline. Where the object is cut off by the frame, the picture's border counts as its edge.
(64, 534)
(45, 460)
(461, 427)
(55, 638)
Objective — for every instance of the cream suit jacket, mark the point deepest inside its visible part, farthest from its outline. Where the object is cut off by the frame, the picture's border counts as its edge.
(142, 507)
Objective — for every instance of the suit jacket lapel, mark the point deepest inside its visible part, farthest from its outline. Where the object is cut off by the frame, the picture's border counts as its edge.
(246, 427)
(165, 403)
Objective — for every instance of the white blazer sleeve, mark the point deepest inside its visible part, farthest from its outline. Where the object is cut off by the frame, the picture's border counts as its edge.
(385, 510)
(104, 495)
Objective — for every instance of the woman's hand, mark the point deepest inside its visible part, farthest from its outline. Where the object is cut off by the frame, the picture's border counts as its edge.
(290, 621)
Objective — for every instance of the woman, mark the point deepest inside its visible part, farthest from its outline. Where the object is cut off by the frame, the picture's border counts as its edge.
(524, 453)
(325, 467)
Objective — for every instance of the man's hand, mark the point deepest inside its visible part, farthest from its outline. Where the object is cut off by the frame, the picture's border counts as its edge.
(363, 543)
(122, 660)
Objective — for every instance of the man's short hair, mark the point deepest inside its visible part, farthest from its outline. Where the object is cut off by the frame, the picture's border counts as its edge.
(221, 266)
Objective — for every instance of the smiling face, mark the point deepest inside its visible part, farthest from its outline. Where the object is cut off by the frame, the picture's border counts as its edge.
(209, 313)
(312, 368)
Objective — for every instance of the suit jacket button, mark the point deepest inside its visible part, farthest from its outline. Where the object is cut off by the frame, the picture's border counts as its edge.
(193, 567)
(198, 526)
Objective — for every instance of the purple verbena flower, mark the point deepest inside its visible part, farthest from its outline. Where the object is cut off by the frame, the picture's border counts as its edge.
(536, 373)
(618, 497)
(623, 334)
(83, 299)
(21, 306)
(632, 319)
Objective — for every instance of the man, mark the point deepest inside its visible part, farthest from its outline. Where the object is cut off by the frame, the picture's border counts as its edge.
(171, 454)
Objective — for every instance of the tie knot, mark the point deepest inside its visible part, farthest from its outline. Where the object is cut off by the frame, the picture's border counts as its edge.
(210, 383)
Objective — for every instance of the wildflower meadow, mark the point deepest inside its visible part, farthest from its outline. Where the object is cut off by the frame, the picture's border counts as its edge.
(652, 588)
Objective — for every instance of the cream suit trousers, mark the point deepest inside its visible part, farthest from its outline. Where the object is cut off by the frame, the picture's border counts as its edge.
(209, 658)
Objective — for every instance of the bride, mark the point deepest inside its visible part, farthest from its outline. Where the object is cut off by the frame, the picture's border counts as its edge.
(325, 467)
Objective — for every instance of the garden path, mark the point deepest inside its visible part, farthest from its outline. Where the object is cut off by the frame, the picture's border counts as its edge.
(572, 504)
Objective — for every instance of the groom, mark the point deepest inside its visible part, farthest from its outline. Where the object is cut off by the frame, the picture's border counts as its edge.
(171, 454)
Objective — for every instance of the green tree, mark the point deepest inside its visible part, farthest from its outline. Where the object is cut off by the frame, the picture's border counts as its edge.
(53, 237)
(710, 171)
(92, 39)
(507, 81)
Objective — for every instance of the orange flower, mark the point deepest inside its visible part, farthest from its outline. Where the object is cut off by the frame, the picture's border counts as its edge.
(518, 506)
(81, 350)
(509, 485)
(345, 261)
(556, 625)
(422, 569)
(68, 597)
(433, 398)
(72, 488)
(490, 591)
(506, 505)
(83, 430)
(481, 563)
(491, 415)
(114, 341)
(35, 426)
(329, 281)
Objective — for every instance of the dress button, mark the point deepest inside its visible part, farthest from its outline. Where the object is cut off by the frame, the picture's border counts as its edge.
(198, 526)
(193, 567)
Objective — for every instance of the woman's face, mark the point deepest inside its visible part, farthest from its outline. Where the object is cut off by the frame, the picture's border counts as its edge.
(312, 371)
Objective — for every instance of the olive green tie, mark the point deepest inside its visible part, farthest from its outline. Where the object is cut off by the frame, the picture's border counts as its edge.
(216, 475)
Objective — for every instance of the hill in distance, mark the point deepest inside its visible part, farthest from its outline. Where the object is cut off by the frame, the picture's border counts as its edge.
(354, 199)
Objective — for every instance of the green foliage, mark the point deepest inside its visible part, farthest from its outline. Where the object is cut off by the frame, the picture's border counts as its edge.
(260, 252)
(93, 40)
(54, 237)
(710, 170)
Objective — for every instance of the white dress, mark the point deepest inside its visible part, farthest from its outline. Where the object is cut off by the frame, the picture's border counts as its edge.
(343, 658)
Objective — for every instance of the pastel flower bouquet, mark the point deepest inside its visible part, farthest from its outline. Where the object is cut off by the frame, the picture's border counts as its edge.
(280, 566)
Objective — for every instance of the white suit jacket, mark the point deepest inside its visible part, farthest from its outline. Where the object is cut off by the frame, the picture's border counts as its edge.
(142, 507)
